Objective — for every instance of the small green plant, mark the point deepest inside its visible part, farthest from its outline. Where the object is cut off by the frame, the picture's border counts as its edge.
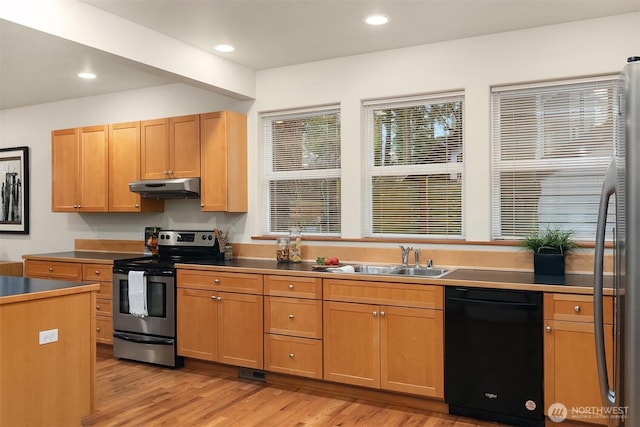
(550, 241)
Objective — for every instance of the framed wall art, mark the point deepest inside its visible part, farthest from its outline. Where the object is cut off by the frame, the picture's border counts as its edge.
(14, 190)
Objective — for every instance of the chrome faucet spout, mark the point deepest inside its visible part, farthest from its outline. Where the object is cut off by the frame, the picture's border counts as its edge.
(417, 254)
(405, 255)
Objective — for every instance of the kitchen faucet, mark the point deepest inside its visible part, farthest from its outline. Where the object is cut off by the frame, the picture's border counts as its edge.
(405, 255)
(417, 254)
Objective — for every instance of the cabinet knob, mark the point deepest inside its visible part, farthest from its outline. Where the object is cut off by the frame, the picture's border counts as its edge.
(548, 329)
(291, 355)
(576, 309)
(136, 206)
(169, 172)
(382, 314)
(375, 313)
(97, 307)
(213, 297)
(97, 329)
(97, 273)
(216, 281)
(50, 268)
(219, 299)
(290, 285)
(291, 316)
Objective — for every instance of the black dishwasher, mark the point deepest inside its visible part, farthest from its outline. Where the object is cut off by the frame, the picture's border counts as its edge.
(493, 355)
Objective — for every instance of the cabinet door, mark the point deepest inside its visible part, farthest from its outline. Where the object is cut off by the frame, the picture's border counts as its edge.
(154, 151)
(64, 170)
(240, 341)
(197, 324)
(124, 167)
(411, 351)
(184, 146)
(571, 375)
(94, 169)
(352, 343)
(223, 139)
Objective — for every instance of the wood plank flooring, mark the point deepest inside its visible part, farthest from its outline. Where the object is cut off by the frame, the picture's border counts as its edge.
(138, 394)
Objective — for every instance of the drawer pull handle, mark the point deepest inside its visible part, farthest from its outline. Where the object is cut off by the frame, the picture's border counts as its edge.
(50, 268)
(548, 329)
(290, 285)
(291, 355)
(576, 309)
(291, 316)
(216, 281)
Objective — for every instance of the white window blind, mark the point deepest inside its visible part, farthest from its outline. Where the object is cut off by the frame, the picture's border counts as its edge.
(551, 146)
(414, 167)
(302, 170)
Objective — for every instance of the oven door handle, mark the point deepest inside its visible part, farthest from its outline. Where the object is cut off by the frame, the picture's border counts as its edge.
(149, 340)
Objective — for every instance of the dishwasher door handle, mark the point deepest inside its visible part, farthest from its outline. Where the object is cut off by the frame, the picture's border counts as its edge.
(515, 305)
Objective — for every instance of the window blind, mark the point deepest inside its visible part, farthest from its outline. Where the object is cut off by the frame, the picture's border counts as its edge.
(414, 166)
(302, 170)
(551, 145)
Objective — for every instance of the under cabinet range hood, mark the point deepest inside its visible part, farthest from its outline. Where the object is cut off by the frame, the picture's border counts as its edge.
(170, 188)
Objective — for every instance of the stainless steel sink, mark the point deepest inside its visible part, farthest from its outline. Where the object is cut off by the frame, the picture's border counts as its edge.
(402, 271)
(376, 269)
(424, 272)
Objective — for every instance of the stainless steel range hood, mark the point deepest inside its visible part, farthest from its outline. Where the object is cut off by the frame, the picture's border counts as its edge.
(170, 188)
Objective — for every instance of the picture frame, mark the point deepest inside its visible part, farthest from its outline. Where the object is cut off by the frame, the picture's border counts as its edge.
(14, 190)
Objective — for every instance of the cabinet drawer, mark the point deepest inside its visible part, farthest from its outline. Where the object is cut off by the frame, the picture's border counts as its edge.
(71, 271)
(294, 356)
(104, 330)
(106, 290)
(215, 281)
(104, 307)
(293, 316)
(397, 294)
(97, 272)
(575, 308)
(291, 286)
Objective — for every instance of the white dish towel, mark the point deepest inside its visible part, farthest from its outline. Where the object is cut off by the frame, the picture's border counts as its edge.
(344, 269)
(138, 293)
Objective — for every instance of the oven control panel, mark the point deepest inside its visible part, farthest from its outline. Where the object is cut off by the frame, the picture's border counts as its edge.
(186, 238)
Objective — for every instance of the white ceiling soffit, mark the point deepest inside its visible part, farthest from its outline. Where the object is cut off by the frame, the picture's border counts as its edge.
(275, 33)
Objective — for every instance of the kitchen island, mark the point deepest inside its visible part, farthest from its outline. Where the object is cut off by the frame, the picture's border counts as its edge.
(47, 351)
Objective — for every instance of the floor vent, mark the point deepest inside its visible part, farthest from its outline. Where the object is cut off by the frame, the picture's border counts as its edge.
(252, 374)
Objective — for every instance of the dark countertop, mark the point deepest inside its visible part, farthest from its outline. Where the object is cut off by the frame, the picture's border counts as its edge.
(83, 256)
(11, 286)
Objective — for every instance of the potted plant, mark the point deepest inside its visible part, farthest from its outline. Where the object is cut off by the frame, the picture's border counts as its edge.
(549, 248)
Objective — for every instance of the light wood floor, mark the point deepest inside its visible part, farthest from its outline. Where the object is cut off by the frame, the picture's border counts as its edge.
(138, 394)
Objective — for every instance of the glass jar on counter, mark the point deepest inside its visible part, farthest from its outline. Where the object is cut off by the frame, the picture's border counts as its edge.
(282, 249)
(295, 245)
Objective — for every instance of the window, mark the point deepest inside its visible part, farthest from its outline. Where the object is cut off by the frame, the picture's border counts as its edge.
(414, 169)
(551, 148)
(302, 171)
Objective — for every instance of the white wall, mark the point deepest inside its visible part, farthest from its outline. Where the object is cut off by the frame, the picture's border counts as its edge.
(32, 126)
(474, 65)
(577, 49)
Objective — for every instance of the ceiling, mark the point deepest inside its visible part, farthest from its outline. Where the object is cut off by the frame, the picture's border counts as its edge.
(36, 67)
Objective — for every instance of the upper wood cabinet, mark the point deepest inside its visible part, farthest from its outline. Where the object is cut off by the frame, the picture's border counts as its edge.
(124, 167)
(224, 162)
(170, 147)
(79, 165)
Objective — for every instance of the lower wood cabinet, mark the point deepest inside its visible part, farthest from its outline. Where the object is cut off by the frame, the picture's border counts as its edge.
(571, 376)
(217, 325)
(82, 272)
(392, 347)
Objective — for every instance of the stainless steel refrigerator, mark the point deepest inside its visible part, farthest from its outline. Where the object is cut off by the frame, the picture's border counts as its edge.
(621, 402)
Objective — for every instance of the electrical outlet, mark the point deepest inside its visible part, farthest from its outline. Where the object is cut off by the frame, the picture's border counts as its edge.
(47, 337)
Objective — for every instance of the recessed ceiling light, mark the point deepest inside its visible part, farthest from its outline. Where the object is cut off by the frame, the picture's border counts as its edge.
(224, 48)
(376, 19)
(87, 75)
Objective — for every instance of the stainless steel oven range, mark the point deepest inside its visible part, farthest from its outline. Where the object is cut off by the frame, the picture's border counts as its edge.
(150, 335)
